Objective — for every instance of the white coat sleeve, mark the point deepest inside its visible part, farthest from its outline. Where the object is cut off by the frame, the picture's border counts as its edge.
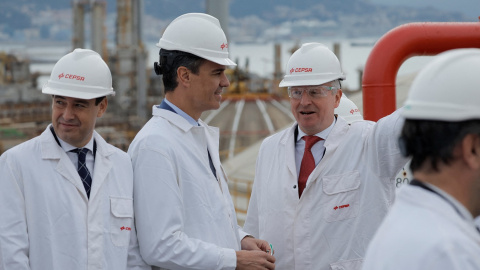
(14, 244)
(159, 218)
(252, 220)
(135, 261)
(242, 233)
(383, 152)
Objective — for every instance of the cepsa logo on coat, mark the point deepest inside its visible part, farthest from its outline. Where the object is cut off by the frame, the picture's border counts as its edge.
(299, 70)
(71, 77)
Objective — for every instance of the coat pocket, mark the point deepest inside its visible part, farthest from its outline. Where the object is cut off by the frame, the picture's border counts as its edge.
(341, 196)
(121, 217)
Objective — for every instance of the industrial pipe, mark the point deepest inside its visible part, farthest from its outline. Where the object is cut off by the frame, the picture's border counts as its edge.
(401, 43)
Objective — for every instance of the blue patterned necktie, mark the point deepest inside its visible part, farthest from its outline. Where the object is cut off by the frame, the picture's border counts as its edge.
(83, 170)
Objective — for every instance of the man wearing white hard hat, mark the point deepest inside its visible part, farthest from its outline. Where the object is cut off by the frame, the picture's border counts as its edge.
(431, 224)
(184, 213)
(66, 195)
(322, 186)
(348, 110)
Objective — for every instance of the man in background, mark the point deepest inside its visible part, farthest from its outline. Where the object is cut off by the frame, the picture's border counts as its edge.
(431, 224)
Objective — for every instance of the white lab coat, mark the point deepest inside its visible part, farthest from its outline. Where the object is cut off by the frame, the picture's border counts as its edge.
(423, 231)
(47, 222)
(345, 199)
(185, 216)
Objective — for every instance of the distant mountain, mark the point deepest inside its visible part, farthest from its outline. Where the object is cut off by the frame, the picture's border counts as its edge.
(250, 20)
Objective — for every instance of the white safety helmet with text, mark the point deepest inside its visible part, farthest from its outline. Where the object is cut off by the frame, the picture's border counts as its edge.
(348, 110)
(199, 34)
(447, 88)
(80, 74)
(312, 64)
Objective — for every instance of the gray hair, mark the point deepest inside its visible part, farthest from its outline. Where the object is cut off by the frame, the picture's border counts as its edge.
(336, 84)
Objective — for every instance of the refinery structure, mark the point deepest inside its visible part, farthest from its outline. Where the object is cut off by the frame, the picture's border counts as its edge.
(252, 109)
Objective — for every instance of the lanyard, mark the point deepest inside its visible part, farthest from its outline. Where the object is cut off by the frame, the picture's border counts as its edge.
(417, 183)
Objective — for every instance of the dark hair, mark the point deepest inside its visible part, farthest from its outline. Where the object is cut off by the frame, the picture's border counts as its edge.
(430, 143)
(173, 61)
(98, 100)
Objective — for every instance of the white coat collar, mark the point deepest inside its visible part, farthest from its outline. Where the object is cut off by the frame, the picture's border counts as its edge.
(339, 129)
(51, 150)
(180, 122)
(333, 140)
(322, 134)
(212, 134)
(434, 203)
(288, 142)
(174, 118)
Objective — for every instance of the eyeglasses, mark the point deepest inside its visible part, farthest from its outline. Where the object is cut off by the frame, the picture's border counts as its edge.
(313, 91)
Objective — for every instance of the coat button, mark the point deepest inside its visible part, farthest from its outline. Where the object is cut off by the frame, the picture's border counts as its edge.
(294, 186)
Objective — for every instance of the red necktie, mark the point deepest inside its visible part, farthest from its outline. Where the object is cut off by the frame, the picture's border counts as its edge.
(308, 162)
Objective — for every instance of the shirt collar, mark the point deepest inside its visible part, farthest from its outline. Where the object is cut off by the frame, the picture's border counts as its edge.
(68, 147)
(182, 113)
(322, 134)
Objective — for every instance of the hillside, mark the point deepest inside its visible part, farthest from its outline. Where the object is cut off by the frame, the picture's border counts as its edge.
(250, 20)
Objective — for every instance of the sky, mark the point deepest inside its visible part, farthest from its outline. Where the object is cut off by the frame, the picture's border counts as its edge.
(468, 7)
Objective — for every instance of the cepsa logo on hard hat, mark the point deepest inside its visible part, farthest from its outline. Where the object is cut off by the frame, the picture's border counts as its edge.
(352, 111)
(224, 45)
(300, 70)
(71, 77)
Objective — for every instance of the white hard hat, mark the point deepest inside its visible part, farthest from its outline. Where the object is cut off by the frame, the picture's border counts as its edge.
(348, 110)
(312, 64)
(199, 34)
(80, 74)
(447, 89)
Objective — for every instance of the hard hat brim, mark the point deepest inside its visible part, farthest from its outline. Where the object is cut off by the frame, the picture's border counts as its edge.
(309, 79)
(75, 91)
(219, 58)
(222, 61)
(417, 110)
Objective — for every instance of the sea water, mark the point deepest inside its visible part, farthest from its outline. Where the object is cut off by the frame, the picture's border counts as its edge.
(353, 56)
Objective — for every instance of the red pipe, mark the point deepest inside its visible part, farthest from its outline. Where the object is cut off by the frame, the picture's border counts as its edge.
(401, 43)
